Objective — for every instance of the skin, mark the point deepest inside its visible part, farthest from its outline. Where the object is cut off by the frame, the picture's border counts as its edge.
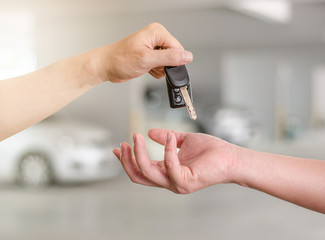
(28, 99)
(204, 160)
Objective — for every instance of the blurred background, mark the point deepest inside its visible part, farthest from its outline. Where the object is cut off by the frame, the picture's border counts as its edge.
(258, 80)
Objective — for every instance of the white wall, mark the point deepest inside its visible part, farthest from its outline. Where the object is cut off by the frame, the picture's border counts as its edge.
(273, 84)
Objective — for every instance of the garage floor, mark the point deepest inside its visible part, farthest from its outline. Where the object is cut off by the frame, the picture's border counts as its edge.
(119, 209)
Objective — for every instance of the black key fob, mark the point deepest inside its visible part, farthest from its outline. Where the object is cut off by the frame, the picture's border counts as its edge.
(177, 77)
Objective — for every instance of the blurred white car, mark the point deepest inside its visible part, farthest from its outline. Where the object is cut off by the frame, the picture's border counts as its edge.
(231, 124)
(58, 151)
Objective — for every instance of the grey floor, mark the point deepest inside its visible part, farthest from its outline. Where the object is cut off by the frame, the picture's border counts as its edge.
(119, 209)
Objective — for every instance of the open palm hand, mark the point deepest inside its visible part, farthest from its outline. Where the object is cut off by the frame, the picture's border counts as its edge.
(201, 161)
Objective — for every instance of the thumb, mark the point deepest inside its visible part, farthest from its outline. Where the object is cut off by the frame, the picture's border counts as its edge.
(171, 160)
(171, 57)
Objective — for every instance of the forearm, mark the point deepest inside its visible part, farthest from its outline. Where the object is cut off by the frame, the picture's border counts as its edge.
(297, 180)
(28, 99)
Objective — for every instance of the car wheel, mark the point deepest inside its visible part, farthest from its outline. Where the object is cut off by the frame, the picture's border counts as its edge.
(35, 170)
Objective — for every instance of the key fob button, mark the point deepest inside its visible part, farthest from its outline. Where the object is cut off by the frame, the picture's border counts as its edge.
(178, 99)
(176, 90)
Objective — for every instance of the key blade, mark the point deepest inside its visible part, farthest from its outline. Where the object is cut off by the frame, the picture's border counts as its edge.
(188, 103)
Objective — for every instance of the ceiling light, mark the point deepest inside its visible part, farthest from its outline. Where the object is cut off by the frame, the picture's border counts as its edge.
(276, 11)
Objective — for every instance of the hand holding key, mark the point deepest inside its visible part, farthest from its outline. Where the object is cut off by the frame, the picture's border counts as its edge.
(49, 89)
(135, 55)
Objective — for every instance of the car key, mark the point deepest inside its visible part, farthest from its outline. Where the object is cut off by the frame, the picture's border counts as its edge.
(179, 89)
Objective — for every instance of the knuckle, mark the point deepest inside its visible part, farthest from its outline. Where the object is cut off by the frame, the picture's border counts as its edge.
(182, 191)
(174, 56)
(155, 25)
(168, 163)
(135, 177)
(168, 148)
(145, 173)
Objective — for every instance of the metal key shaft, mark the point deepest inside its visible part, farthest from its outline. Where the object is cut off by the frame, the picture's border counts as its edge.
(188, 103)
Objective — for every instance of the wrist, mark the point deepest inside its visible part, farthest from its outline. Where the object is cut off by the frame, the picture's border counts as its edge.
(241, 165)
(79, 70)
(96, 65)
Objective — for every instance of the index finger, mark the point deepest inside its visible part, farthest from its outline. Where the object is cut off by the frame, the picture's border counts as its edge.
(163, 38)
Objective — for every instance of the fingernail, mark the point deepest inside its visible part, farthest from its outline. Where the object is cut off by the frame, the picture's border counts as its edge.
(121, 153)
(167, 138)
(187, 56)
